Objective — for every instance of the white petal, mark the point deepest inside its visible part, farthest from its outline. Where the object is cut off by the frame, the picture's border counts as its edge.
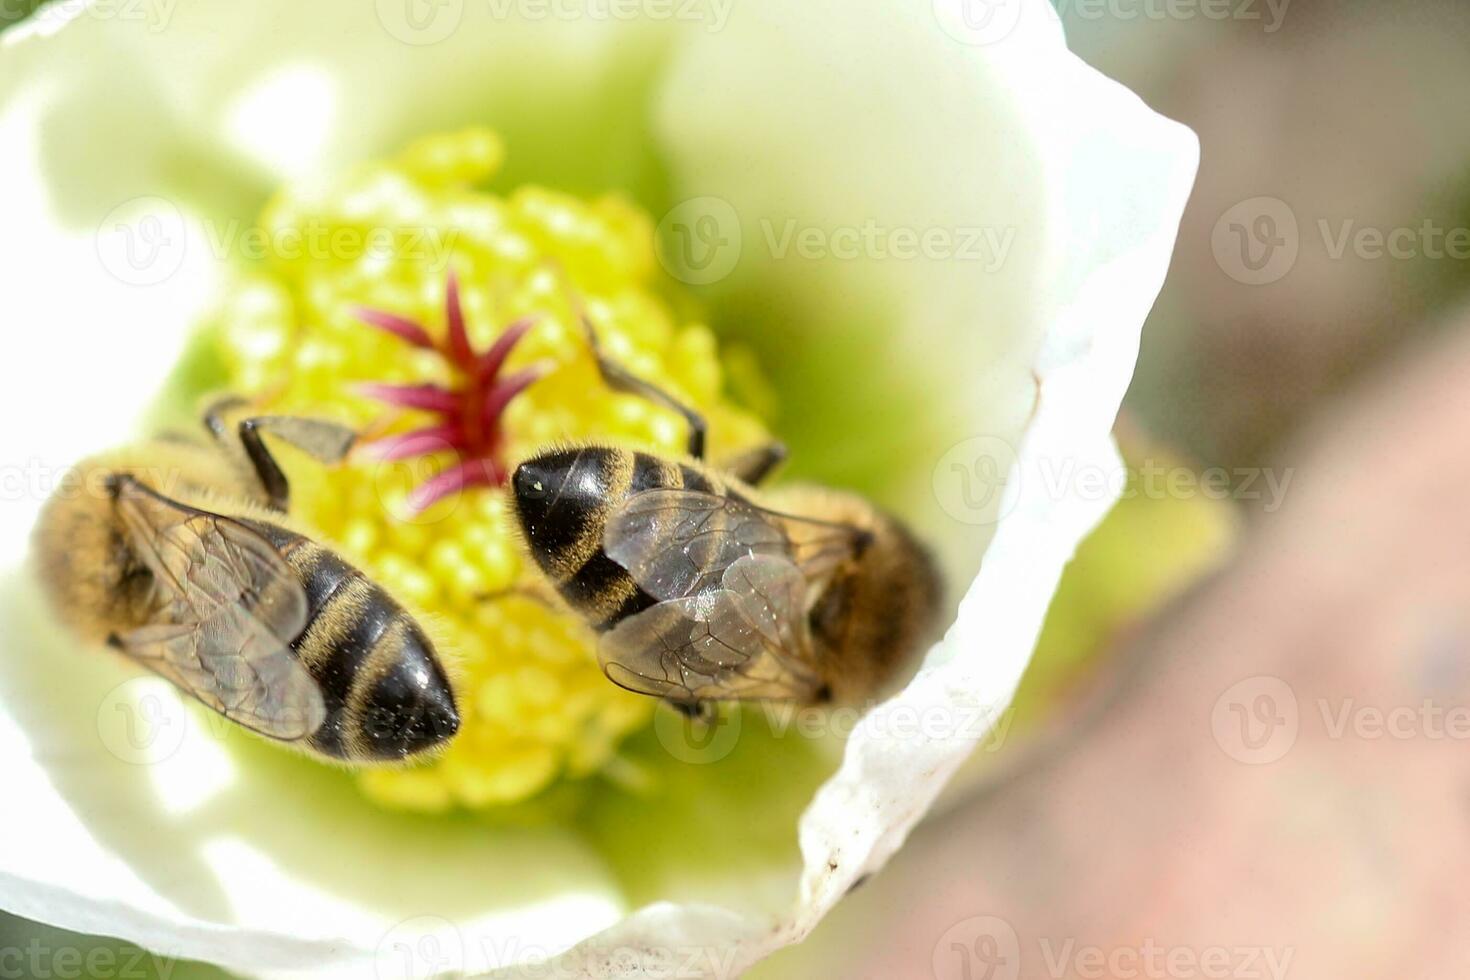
(828, 114)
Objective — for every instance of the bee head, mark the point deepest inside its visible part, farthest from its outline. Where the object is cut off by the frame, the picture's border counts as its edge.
(877, 613)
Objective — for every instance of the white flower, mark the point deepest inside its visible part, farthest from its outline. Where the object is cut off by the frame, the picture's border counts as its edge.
(937, 194)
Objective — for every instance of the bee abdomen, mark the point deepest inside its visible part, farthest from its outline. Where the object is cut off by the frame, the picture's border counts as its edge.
(564, 499)
(385, 692)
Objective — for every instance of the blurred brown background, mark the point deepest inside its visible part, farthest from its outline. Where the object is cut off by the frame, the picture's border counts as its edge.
(1274, 778)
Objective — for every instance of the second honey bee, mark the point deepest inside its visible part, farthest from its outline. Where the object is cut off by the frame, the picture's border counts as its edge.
(179, 554)
(705, 589)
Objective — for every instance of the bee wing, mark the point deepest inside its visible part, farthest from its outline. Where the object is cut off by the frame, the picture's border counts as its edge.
(745, 640)
(679, 543)
(818, 547)
(231, 607)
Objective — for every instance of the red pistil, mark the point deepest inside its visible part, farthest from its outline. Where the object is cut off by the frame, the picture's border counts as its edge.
(398, 326)
(471, 410)
(462, 476)
(420, 442)
(428, 398)
(460, 350)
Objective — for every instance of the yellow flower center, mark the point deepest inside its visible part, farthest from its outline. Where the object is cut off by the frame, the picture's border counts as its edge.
(534, 703)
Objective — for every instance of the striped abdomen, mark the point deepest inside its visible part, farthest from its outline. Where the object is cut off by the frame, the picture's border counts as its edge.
(386, 694)
(564, 498)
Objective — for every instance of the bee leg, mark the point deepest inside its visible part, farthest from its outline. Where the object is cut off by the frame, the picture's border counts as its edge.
(619, 378)
(699, 711)
(326, 442)
(217, 416)
(536, 590)
(755, 465)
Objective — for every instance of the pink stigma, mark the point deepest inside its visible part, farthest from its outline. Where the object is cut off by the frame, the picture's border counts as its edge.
(470, 412)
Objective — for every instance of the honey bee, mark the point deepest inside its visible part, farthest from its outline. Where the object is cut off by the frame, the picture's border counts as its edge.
(180, 555)
(705, 589)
